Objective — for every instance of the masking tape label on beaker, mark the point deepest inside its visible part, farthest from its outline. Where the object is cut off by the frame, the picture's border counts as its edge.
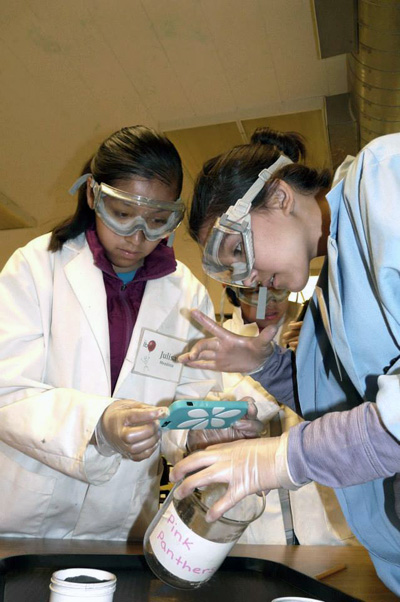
(184, 553)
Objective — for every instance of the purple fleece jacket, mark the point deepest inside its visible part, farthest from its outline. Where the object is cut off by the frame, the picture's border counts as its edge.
(123, 300)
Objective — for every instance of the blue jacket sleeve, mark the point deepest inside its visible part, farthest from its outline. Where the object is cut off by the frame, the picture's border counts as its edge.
(278, 377)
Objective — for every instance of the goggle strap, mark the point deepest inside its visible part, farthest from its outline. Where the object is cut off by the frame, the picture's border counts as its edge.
(268, 172)
(242, 206)
(171, 239)
(78, 183)
(248, 245)
(262, 302)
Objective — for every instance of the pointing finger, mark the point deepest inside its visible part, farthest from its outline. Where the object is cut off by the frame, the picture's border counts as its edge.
(208, 324)
(267, 334)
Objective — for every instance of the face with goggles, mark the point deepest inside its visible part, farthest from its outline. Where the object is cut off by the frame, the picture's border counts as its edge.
(228, 251)
(132, 216)
(269, 245)
(276, 306)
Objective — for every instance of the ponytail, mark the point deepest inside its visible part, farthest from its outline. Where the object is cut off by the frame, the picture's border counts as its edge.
(290, 144)
(227, 177)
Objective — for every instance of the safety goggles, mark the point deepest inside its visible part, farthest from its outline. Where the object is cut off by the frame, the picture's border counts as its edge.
(251, 296)
(126, 213)
(228, 252)
(260, 298)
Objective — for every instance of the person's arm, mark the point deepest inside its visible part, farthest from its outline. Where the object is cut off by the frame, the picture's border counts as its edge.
(371, 192)
(53, 425)
(225, 351)
(343, 448)
(199, 383)
(340, 449)
(269, 364)
(277, 376)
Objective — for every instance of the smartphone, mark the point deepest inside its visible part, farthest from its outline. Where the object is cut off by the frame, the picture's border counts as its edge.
(203, 414)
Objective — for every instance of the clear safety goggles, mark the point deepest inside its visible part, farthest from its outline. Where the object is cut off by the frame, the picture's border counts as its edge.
(228, 252)
(260, 297)
(251, 296)
(126, 213)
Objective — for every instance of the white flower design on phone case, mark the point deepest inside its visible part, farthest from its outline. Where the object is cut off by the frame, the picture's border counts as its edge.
(201, 418)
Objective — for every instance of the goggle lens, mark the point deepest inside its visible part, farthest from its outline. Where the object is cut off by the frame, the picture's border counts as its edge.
(124, 214)
(228, 254)
(250, 297)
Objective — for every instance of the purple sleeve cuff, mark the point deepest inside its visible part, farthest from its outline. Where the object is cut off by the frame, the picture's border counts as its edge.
(277, 374)
(343, 448)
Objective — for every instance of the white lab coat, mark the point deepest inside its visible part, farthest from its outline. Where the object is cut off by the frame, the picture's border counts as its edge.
(316, 514)
(55, 384)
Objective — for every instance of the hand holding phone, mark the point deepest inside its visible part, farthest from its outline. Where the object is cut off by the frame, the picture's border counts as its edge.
(248, 427)
(197, 414)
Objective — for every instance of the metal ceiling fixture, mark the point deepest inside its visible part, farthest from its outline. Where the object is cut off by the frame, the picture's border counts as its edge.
(374, 69)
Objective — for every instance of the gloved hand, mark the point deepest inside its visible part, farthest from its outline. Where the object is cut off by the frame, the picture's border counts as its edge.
(247, 427)
(246, 466)
(130, 428)
(228, 352)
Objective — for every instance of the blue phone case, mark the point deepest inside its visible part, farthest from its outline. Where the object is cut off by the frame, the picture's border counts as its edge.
(203, 414)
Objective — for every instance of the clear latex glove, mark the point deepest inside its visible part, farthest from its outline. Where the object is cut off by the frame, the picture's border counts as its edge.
(247, 427)
(130, 428)
(246, 466)
(291, 337)
(228, 352)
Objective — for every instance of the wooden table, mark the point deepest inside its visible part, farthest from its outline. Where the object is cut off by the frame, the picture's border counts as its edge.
(358, 578)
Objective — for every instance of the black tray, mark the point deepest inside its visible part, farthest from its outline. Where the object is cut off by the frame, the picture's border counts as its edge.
(26, 579)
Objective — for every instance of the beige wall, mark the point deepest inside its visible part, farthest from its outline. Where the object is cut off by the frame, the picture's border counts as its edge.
(195, 146)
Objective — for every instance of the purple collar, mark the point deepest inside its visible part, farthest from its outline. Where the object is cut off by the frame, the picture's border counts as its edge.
(160, 262)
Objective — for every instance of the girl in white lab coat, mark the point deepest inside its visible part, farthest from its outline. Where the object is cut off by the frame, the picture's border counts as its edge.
(89, 313)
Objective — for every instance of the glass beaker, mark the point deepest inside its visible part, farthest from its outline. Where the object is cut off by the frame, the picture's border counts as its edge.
(182, 549)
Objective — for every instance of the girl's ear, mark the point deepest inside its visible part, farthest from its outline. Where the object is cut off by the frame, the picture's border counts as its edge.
(89, 193)
(283, 198)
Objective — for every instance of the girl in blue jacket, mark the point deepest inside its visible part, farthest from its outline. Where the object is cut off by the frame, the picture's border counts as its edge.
(266, 216)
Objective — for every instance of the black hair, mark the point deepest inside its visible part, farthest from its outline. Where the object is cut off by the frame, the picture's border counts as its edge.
(203, 191)
(232, 296)
(228, 176)
(129, 152)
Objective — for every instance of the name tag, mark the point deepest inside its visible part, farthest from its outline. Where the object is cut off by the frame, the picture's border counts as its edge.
(157, 356)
